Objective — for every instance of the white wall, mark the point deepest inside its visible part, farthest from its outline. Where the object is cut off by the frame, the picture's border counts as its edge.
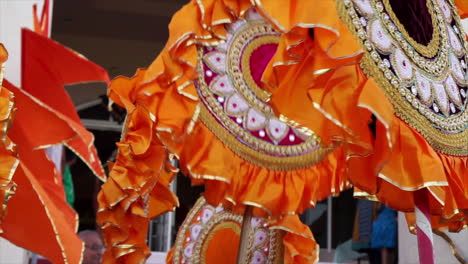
(13, 16)
(408, 246)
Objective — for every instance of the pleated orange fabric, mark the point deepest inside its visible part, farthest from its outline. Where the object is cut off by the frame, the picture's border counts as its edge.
(8, 155)
(204, 102)
(415, 104)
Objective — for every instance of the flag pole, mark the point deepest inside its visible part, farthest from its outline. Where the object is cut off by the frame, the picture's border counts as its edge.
(423, 227)
(244, 241)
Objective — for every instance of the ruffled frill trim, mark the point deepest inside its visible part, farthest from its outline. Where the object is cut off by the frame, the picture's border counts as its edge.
(299, 22)
(298, 241)
(273, 193)
(407, 163)
(8, 156)
(399, 160)
(339, 103)
(137, 190)
(165, 92)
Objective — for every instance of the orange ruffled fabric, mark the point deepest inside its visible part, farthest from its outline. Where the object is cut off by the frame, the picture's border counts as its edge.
(8, 157)
(402, 161)
(163, 108)
(137, 190)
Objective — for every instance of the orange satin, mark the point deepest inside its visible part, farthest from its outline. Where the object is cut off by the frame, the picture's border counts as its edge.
(462, 6)
(39, 218)
(390, 166)
(46, 67)
(40, 189)
(223, 247)
(162, 105)
(8, 156)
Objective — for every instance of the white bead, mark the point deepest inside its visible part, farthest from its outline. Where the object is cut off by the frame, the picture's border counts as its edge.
(363, 21)
(261, 133)
(209, 73)
(292, 138)
(220, 99)
(452, 107)
(414, 90)
(387, 63)
(436, 108)
(239, 120)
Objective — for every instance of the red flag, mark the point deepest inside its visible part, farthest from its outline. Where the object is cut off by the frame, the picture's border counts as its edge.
(46, 67)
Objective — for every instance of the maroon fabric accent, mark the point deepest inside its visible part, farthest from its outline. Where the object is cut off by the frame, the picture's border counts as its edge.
(259, 59)
(415, 17)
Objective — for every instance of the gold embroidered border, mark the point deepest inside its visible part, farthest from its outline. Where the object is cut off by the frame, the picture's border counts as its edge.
(235, 226)
(245, 62)
(281, 162)
(235, 55)
(180, 238)
(438, 65)
(259, 158)
(454, 143)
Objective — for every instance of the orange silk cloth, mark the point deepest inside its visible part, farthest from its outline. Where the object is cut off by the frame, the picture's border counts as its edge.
(402, 160)
(40, 194)
(47, 66)
(163, 123)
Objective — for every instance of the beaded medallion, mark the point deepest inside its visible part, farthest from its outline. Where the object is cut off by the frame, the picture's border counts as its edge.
(425, 82)
(204, 222)
(235, 106)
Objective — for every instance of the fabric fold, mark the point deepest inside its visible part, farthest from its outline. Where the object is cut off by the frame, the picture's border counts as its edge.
(281, 168)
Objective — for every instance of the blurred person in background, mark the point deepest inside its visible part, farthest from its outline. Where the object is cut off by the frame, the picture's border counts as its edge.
(93, 246)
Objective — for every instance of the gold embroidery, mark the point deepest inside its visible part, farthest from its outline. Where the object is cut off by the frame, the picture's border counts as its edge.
(253, 34)
(235, 226)
(246, 71)
(446, 133)
(259, 158)
(248, 38)
(221, 219)
(454, 143)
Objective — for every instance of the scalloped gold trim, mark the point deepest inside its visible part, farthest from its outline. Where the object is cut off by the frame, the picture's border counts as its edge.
(250, 36)
(224, 225)
(245, 62)
(259, 158)
(454, 143)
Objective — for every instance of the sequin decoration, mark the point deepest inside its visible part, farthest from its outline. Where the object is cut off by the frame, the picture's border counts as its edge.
(197, 232)
(235, 106)
(427, 85)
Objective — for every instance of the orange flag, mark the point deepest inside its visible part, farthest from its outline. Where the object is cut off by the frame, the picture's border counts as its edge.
(46, 67)
(38, 216)
(40, 194)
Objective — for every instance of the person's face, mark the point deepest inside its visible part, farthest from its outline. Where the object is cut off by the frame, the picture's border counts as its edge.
(93, 249)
